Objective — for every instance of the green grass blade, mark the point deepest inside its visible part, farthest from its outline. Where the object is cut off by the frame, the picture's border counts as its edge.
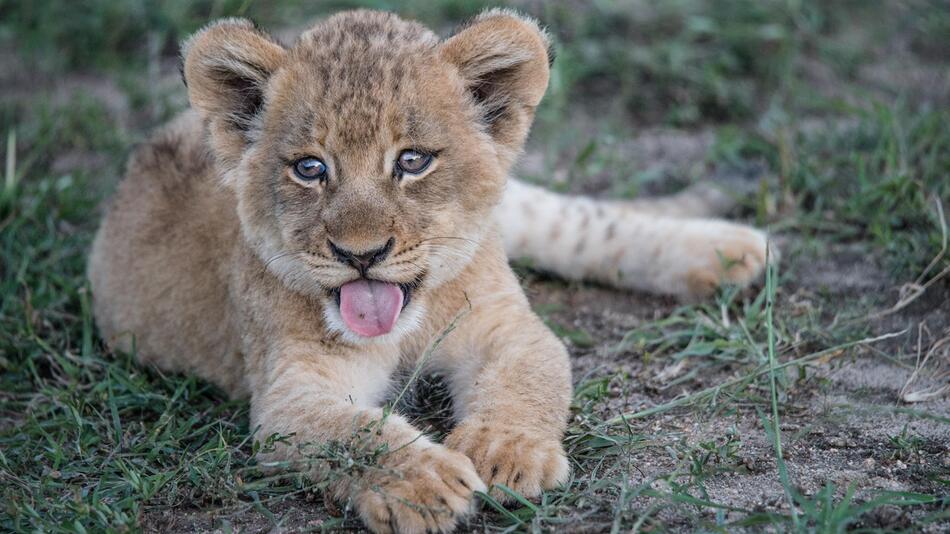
(776, 433)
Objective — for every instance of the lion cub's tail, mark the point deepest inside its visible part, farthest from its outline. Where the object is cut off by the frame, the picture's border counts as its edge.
(670, 245)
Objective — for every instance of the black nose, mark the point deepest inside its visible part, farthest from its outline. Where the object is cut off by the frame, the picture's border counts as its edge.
(364, 260)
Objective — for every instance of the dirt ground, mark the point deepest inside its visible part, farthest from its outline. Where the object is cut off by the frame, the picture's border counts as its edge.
(841, 418)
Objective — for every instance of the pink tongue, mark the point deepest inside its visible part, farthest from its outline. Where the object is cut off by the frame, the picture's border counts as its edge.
(370, 308)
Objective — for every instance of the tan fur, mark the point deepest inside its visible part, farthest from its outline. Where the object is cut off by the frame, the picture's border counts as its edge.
(213, 259)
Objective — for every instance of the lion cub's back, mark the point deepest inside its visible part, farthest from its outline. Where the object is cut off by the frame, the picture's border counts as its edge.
(159, 263)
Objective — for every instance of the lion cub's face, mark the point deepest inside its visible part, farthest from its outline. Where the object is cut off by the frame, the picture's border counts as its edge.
(367, 158)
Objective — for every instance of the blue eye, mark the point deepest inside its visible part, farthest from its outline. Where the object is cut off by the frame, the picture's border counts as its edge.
(310, 169)
(413, 162)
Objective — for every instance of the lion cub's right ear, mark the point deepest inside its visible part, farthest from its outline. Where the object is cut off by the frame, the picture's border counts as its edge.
(226, 67)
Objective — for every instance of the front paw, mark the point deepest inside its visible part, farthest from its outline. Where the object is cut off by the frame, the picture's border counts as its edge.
(428, 490)
(525, 460)
(736, 257)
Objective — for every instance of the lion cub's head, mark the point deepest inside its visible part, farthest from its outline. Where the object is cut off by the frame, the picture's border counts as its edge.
(367, 157)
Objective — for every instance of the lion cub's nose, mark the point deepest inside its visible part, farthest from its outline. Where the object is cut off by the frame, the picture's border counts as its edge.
(362, 261)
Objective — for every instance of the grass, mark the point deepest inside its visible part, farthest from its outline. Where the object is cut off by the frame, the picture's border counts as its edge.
(91, 442)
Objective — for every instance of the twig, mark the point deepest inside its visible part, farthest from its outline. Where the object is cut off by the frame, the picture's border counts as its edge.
(931, 392)
(912, 291)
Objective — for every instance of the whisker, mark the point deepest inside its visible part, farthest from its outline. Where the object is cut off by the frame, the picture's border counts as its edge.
(426, 242)
(280, 255)
(401, 262)
(448, 237)
(447, 250)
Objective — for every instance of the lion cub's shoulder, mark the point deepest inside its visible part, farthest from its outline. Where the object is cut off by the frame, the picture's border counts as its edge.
(174, 159)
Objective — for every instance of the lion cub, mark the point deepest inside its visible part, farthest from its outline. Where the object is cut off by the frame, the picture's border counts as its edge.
(327, 211)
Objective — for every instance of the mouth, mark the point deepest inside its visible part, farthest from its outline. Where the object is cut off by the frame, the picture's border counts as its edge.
(370, 308)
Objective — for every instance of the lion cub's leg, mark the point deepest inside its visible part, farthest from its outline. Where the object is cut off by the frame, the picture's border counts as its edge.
(510, 380)
(400, 480)
(665, 247)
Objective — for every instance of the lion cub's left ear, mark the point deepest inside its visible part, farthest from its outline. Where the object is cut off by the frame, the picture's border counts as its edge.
(227, 67)
(504, 60)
